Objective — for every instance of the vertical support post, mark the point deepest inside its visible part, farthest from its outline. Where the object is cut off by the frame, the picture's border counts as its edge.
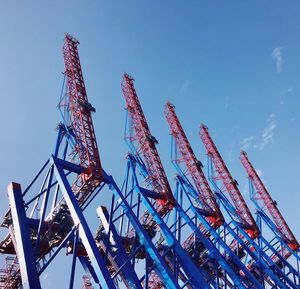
(30, 279)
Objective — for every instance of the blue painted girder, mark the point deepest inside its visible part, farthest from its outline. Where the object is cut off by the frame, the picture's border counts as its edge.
(84, 232)
(25, 252)
(161, 267)
(261, 259)
(193, 273)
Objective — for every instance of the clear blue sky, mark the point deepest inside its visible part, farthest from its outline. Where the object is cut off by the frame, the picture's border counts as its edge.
(233, 65)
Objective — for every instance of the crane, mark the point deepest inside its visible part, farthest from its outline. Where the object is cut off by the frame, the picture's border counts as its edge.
(184, 154)
(145, 147)
(80, 122)
(78, 128)
(193, 166)
(230, 184)
(144, 154)
(265, 202)
(61, 223)
(242, 212)
(203, 197)
(39, 228)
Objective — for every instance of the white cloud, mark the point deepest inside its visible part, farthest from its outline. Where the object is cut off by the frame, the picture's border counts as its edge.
(268, 132)
(290, 90)
(246, 142)
(227, 101)
(277, 56)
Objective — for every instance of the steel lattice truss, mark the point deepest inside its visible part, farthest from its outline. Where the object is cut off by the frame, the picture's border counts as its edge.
(230, 184)
(80, 121)
(269, 203)
(146, 145)
(193, 167)
(200, 235)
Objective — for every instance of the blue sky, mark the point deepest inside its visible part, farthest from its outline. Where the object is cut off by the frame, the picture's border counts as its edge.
(233, 65)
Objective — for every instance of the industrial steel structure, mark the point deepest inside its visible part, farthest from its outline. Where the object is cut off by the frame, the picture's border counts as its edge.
(195, 233)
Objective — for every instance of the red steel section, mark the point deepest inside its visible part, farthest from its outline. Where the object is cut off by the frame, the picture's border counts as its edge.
(81, 123)
(154, 281)
(207, 199)
(10, 275)
(141, 134)
(264, 196)
(229, 183)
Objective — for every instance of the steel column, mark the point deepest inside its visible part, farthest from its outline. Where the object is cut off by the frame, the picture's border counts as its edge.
(25, 253)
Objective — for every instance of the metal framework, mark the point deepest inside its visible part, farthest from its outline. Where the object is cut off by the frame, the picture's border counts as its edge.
(198, 243)
(60, 223)
(144, 158)
(145, 144)
(198, 248)
(230, 184)
(148, 237)
(171, 257)
(284, 245)
(268, 203)
(10, 276)
(260, 248)
(80, 124)
(193, 166)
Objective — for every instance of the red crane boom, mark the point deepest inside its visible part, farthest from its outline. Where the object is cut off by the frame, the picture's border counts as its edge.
(264, 196)
(141, 134)
(81, 123)
(229, 183)
(157, 178)
(193, 166)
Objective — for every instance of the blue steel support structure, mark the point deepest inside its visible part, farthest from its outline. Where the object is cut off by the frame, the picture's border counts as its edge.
(214, 254)
(283, 248)
(262, 269)
(147, 238)
(26, 256)
(59, 171)
(277, 249)
(177, 259)
(59, 223)
(84, 232)
(117, 253)
(185, 162)
(49, 234)
(246, 245)
(156, 196)
(138, 231)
